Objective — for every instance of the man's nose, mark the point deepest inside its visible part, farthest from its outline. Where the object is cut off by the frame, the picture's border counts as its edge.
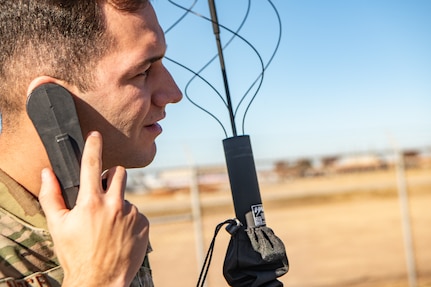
(169, 92)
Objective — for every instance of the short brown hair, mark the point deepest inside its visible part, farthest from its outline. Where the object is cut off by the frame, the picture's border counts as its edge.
(59, 38)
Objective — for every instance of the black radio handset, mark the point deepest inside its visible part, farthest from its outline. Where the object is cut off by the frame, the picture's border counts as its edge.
(52, 110)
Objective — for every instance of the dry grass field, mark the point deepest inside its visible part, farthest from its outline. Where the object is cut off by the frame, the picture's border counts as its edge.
(342, 230)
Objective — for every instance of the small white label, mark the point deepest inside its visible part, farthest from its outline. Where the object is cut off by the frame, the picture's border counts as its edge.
(258, 215)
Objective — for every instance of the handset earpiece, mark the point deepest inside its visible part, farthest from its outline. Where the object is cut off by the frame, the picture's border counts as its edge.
(52, 110)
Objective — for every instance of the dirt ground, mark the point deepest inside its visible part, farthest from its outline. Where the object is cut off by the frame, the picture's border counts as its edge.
(341, 230)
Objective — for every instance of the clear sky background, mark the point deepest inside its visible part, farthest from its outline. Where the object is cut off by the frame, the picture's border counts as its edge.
(349, 76)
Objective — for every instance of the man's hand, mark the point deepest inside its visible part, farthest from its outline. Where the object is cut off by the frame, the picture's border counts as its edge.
(102, 241)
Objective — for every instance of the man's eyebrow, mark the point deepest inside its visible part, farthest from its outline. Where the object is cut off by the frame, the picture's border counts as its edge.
(148, 61)
(155, 58)
(143, 64)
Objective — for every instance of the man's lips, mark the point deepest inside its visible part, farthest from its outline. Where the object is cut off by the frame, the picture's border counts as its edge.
(154, 128)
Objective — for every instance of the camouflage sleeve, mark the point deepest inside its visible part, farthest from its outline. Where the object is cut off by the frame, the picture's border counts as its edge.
(49, 278)
(144, 277)
(23, 249)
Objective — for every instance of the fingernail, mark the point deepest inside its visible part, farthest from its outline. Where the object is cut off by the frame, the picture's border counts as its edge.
(93, 134)
(45, 174)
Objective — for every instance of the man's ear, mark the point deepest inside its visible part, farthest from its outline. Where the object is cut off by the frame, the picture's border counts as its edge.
(36, 82)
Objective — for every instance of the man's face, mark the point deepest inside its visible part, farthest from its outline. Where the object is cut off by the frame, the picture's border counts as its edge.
(132, 89)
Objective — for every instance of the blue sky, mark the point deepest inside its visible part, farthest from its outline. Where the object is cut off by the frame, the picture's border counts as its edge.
(349, 76)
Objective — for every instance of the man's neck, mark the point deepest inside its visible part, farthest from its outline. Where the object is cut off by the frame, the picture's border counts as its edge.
(22, 156)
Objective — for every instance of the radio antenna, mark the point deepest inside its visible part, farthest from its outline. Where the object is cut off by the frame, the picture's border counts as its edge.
(216, 30)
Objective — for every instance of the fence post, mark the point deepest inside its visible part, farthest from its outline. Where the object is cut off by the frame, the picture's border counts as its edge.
(405, 218)
(197, 216)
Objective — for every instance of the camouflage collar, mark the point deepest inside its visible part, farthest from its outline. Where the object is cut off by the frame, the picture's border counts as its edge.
(16, 200)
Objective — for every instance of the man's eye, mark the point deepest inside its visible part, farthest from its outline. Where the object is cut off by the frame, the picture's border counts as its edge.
(143, 74)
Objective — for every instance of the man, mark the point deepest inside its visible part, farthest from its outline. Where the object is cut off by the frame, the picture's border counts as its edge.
(108, 54)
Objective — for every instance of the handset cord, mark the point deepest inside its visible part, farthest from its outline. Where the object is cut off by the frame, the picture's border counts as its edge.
(233, 225)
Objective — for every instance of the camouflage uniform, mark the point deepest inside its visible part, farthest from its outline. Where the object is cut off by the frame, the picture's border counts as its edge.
(26, 249)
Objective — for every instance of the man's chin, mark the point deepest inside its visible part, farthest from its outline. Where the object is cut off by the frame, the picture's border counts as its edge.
(145, 159)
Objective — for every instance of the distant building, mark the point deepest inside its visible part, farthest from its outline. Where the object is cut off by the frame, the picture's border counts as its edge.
(300, 168)
(412, 158)
(355, 163)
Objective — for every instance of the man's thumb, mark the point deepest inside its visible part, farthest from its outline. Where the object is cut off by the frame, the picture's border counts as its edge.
(50, 197)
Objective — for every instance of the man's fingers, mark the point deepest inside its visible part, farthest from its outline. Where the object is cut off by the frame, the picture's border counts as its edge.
(91, 165)
(116, 182)
(50, 197)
